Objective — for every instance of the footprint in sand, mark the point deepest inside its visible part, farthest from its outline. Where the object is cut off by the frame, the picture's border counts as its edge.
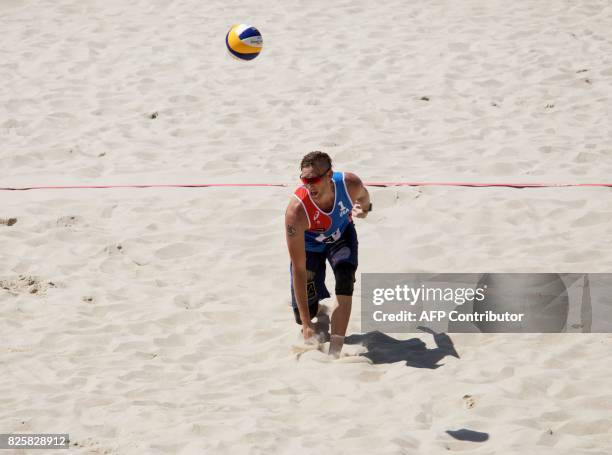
(7, 221)
(68, 221)
(301, 349)
(348, 358)
(112, 250)
(468, 401)
(26, 285)
(345, 357)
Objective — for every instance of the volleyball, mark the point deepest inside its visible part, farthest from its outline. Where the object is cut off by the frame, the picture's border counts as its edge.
(244, 42)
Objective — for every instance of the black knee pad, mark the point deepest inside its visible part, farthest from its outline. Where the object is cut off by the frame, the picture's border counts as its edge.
(345, 278)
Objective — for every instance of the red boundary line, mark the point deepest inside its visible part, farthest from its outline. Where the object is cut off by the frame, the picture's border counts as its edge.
(177, 185)
(483, 185)
(378, 184)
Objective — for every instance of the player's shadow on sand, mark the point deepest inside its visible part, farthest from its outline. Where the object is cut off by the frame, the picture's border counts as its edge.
(321, 326)
(385, 349)
(469, 435)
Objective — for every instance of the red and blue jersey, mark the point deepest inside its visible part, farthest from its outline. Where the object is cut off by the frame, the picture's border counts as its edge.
(326, 227)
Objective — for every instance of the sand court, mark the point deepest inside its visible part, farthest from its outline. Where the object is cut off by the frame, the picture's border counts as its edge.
(157, 320)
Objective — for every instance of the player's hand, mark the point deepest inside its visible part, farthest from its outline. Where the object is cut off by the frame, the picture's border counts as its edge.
(358, 211)
(309, 334)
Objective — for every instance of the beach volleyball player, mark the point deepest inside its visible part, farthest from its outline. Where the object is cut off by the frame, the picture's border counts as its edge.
(319, 228)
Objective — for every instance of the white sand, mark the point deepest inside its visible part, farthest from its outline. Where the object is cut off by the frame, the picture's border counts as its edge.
(159, 322)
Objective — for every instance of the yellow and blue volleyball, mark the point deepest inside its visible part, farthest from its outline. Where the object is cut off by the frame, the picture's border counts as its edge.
(244, 41)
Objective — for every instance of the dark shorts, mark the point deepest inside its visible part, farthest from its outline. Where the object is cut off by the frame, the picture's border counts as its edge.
(341, 253)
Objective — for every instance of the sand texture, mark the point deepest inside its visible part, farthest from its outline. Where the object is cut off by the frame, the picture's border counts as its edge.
(156, 321)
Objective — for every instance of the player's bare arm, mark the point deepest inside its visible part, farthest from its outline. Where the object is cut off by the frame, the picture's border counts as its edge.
(295, 225)
(359, 194)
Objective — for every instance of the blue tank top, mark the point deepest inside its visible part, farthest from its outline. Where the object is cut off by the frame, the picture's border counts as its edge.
(326, 227)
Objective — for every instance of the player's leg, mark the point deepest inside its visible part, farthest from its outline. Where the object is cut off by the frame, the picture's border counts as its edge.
(345, 279)
(343, 259)
(315, 285)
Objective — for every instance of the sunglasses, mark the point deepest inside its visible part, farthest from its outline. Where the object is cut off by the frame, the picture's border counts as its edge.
(313, 180)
